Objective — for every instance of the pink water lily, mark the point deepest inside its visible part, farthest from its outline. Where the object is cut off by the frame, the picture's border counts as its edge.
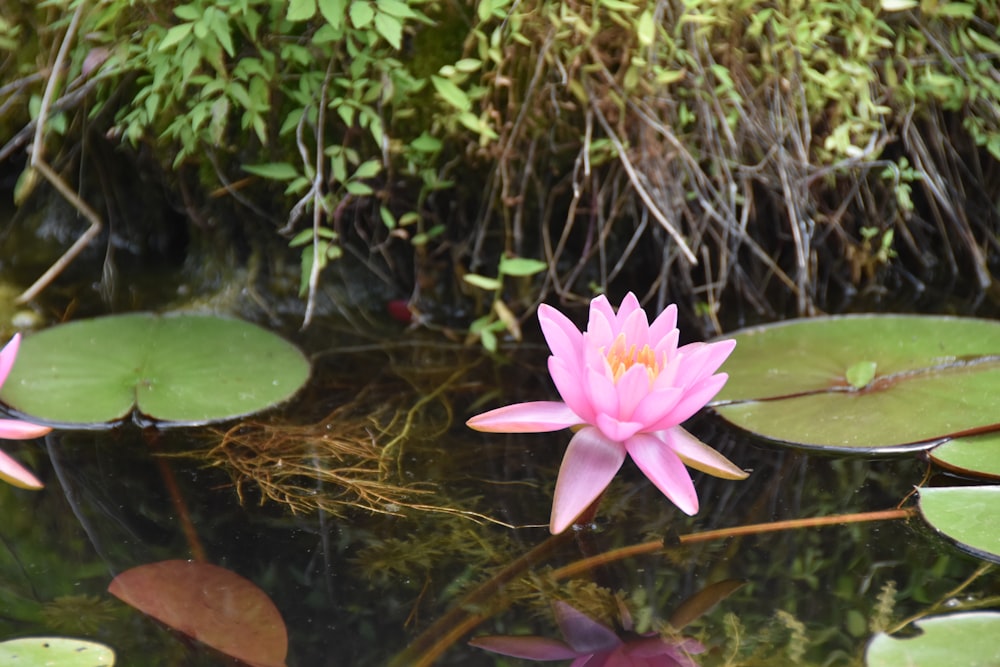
(13, 429)
(629, 386)
(592, 644)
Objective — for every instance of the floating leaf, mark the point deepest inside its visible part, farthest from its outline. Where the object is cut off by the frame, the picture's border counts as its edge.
(968, 639)
(966, 515)
(56, 652)
(976, 455)
(211, 604)
(800, 382)
(186, 369)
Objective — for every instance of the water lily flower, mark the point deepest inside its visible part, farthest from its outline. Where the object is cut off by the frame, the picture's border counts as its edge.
(592, 644)
(14, 429)
(629, 386)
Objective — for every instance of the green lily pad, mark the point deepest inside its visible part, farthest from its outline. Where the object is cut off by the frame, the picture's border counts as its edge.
(968, 639)
(966, 515)
(973, 455)
(55, 651)
(864, 383)
(183, 369)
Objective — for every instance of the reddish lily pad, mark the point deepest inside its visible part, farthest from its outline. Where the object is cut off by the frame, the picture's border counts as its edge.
(976, 455)
(866, 383)
(211, 604)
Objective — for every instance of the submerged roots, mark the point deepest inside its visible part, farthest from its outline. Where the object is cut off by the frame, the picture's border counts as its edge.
(331, 465)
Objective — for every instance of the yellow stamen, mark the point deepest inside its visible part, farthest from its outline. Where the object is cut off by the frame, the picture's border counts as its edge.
(622, 356)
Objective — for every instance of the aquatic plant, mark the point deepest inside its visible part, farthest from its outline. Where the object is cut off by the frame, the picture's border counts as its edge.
(11, 471)
(630, 386)
(588, 642)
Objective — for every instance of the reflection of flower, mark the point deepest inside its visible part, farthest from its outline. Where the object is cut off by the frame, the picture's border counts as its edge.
(592, 644)
(14, 429)
(629, 384)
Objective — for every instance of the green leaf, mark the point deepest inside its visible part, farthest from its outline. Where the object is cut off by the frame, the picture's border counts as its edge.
(368, 169)
(966, 515)
(968, 639)
(278, 171)
(185, 369)
(175, 35)
(646, 28)
(520, 266)
(482, 282)
(396, 8)
(391, 28)
(301, 10)
(972, 456)
(361, 13)
(333, 11)
(937, 378)
(426, 143)
(358, 189)
(55, 651)
(859, 375)
(451, 93)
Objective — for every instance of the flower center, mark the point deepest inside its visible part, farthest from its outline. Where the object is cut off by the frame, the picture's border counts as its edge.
(622, 356)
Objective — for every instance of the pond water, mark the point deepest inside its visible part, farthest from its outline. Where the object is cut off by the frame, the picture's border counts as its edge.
(388, 533)
(407, 512)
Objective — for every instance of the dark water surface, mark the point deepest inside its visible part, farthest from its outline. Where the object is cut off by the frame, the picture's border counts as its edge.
(359, 581)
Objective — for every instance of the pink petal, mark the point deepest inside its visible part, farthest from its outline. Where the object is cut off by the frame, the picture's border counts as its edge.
(665, 345)
(618, 431)
(696, 454)
(632, 386)
(664, 323)
(601, 323)
(530, 648)
(694, 399)
(530, 417)
(602, 392)
(702, 359)
(15, 429)
(657, 404)
(635, 327)
(629, 305)
(664, 469)
(571, 388)
(582, 633)
(7, 356)
(564, 339)
(14, 473)
(589, 465)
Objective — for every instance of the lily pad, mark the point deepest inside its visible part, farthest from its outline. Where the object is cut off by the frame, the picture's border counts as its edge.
(184, 369)
(55, 651)
(968, 639)
(217, 607)
(975, 455)
(967, 515)
(864, 383)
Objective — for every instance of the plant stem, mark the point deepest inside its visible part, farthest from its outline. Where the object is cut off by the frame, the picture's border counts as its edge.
(472, 610)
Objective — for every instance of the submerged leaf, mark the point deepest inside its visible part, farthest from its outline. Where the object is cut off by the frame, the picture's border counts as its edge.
(211, 604)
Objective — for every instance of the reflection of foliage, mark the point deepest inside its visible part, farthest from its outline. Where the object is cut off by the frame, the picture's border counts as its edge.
(79, 614)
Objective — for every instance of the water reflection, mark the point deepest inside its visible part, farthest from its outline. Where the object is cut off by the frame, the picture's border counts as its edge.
(358, 584)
